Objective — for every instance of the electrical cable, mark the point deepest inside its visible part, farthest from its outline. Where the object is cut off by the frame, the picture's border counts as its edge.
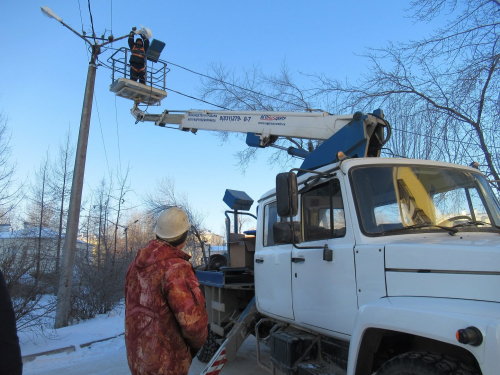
(238, 87)
(81, 18)
(92, 23)
(83, 32)
(284, 101)
(118, 139)
(111, 17)
(102, 136)
(200, 100)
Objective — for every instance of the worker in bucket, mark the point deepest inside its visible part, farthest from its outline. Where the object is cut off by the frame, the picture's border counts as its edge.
(138, 57)
(165, 315)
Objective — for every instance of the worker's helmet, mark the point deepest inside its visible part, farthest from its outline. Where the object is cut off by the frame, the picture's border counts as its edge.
(172, 224)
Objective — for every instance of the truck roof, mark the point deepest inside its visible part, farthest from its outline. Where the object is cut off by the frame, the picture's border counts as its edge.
(350, 163)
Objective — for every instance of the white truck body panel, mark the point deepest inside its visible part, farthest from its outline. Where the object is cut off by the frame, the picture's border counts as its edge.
(370, 275)
(271, 297)
(434, 318)
(322, 290)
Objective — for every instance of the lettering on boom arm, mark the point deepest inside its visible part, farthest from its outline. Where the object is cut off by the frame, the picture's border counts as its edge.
(235, 118)
(201, 117)
(272, 120)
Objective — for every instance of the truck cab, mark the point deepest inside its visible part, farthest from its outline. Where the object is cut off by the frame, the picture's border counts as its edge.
(414, 263)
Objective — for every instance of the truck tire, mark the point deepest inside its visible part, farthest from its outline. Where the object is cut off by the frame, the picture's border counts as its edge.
(210, 347)
(421, 363)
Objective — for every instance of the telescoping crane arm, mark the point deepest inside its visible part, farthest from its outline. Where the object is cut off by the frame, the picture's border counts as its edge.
(356, 135)
(313, 125)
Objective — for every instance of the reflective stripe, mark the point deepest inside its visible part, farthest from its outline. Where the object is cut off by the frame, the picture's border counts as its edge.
(216, 367)
(138, 51)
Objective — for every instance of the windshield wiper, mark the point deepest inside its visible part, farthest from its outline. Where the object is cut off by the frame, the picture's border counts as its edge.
(475, 222)
(450, 230)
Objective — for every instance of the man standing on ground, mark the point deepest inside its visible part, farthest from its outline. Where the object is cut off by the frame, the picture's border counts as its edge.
(165, 316)
(138, 57)
(10, 352)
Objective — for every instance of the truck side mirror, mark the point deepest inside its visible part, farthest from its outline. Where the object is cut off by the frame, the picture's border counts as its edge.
(282, 232)
(287, 200)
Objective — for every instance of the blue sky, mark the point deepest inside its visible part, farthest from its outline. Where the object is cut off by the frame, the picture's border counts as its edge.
(45, 67)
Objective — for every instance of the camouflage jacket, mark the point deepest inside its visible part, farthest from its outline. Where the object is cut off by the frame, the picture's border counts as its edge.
(165, 316)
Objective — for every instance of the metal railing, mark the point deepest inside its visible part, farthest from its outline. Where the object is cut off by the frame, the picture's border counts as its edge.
(156, 73)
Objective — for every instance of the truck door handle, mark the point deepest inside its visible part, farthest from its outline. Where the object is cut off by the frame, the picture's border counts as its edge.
(298, 259)
(260, 260)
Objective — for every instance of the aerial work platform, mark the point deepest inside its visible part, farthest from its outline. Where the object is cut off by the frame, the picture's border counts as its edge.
(138, 92)
(150, 93)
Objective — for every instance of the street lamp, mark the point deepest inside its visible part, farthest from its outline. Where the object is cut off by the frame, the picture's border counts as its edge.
(125, 229)
(69, 248)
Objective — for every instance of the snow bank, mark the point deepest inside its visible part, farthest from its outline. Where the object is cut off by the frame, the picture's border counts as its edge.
(101, 327)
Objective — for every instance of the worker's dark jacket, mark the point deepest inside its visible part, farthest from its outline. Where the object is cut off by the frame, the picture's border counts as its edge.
(138, 52)
(10, 352)
(165, 316)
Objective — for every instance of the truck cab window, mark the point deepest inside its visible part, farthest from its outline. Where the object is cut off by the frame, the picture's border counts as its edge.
(323, 212)
(270, 217)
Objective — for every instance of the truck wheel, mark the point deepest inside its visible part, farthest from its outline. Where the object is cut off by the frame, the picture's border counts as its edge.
(420, 363)
(210, 347)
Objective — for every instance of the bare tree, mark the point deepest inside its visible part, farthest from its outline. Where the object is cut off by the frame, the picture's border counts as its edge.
(9, 194)
(100, 271)
(124, 188)
(165, 196)
(444, 88)
(439, 93)
(138, 229)
(41, 209)
(62, 175)
(253, 90)
(32, 306)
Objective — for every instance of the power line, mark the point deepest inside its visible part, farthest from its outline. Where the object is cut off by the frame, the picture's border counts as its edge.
(102, 135)
(92, 23)
(81, 21)
(111, 17)
(200, 100)
(118, 138)
(81, 18)
(239, 87)
(284, 101)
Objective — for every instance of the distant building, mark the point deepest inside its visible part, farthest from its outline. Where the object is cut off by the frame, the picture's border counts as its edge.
(29, 242)
(213, 239)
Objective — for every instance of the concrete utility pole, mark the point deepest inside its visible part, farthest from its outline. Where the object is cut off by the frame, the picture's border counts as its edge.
(69, 248)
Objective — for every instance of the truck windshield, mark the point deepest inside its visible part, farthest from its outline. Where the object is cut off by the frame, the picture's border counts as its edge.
(397, 199)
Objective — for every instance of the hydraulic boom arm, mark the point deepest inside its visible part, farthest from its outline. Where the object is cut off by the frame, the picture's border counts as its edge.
(316, 125)
(357, 135)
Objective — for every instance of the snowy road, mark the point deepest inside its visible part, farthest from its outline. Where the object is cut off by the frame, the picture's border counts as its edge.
(109, 358)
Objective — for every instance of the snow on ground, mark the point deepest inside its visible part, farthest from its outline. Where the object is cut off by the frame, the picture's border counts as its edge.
(102, 358)
(101, 327)
(109, 356)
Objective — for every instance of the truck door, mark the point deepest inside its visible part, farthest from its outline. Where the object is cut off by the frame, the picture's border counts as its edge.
(324, 292)
(273, 288)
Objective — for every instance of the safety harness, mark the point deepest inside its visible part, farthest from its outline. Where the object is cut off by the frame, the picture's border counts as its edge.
(138, 54)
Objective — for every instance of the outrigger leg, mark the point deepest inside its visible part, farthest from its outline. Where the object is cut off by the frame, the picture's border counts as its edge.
(235, 338)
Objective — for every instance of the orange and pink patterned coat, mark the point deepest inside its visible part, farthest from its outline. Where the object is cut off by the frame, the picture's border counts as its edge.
(165, 316)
